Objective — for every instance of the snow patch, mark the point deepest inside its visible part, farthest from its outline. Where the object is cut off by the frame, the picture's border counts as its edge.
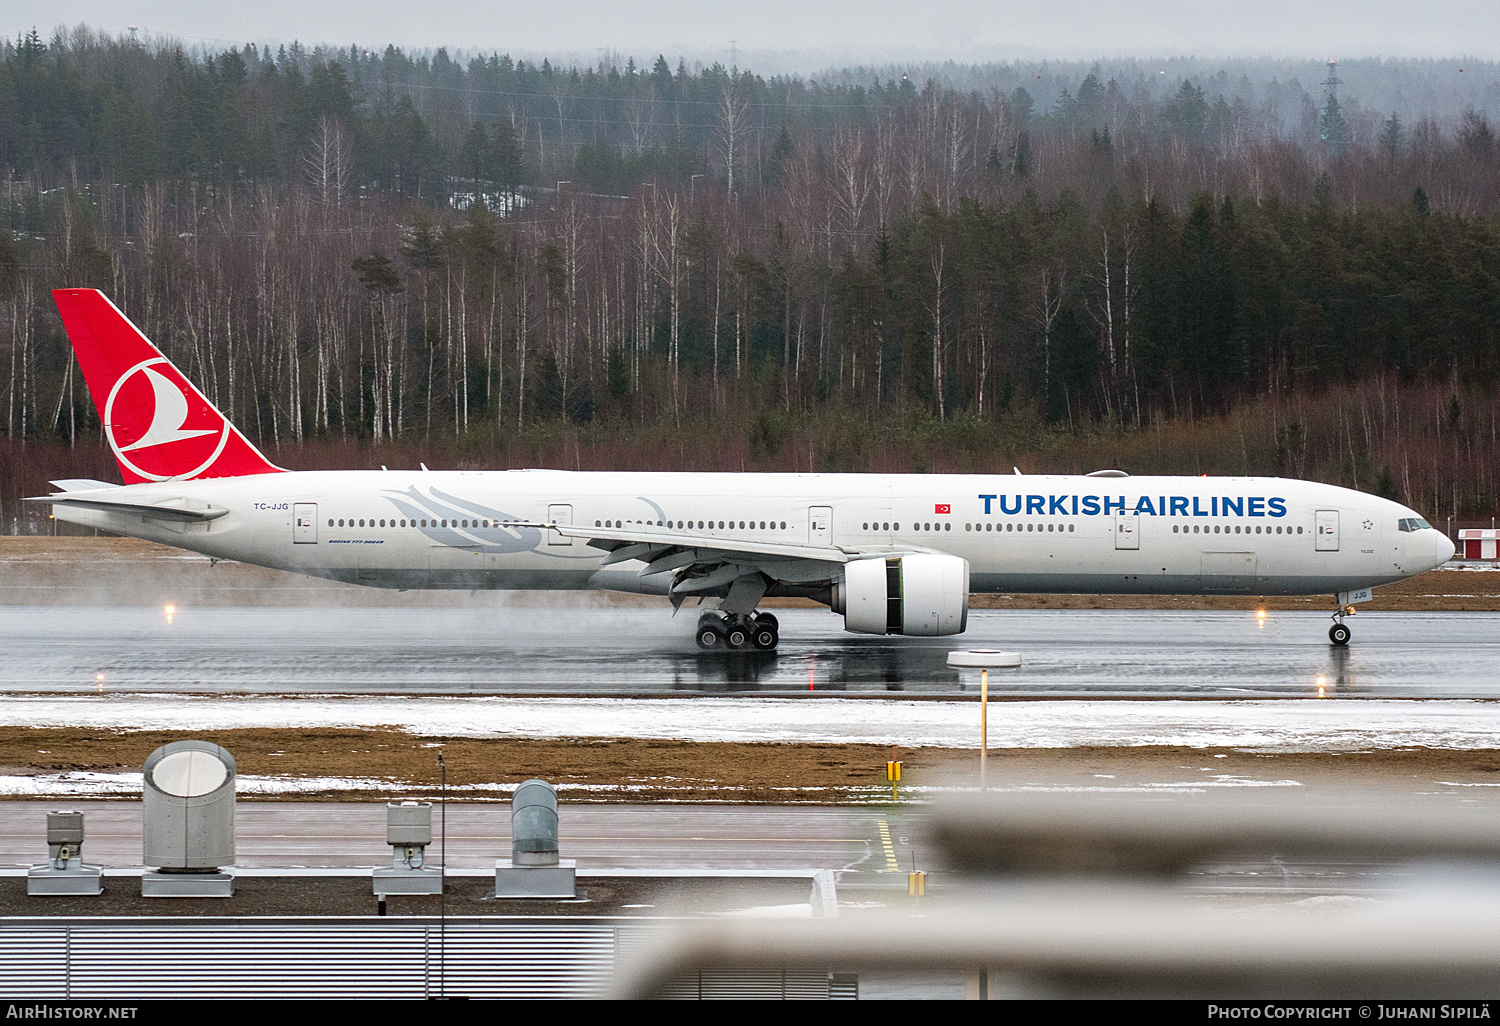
(1266, 725)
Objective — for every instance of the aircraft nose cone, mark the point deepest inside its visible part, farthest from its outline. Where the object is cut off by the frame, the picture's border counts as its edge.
(1443, 549)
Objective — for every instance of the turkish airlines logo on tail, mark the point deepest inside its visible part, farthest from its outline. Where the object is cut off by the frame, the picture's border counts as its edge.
(159, 426)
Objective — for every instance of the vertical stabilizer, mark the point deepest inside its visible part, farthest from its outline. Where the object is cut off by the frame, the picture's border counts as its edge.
(160, 427)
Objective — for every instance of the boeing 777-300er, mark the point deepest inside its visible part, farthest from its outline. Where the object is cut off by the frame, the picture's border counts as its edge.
(890, 553)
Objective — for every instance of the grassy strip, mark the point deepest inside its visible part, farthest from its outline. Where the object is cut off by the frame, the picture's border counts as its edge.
(767, 772)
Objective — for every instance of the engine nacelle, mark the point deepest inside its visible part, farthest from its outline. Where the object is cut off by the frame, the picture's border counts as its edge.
(923, 595)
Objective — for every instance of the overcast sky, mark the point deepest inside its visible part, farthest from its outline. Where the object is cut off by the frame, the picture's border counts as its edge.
(815, 33)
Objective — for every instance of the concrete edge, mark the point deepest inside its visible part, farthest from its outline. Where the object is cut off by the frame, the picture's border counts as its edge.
(364, 872)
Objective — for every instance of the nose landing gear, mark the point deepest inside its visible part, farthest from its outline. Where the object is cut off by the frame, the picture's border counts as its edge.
(721, 631)
(1339, 633)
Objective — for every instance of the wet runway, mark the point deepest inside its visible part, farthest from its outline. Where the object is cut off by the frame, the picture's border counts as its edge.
(589, 651)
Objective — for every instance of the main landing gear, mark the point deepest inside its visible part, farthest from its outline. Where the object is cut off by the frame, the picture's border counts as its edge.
(1339, 633)
(725, 631)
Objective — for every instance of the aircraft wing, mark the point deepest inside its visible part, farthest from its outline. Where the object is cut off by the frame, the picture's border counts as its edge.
(635, 541)
(713, 565)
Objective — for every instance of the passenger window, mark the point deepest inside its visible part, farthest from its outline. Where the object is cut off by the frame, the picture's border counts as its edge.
(1070, 528)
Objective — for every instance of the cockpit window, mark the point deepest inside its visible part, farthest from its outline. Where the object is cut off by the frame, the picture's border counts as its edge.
(1415, 524)
(1405, 524)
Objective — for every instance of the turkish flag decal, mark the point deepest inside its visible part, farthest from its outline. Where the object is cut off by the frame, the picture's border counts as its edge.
(942, 507)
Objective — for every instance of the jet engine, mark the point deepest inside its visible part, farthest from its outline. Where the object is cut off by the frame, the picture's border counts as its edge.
(924, 595)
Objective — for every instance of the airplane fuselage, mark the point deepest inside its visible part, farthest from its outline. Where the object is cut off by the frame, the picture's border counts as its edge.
(1070, 534)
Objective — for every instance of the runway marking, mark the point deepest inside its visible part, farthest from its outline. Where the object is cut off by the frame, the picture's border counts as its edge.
(891, 865)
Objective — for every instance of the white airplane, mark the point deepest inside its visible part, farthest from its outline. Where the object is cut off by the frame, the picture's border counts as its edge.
(891, 553)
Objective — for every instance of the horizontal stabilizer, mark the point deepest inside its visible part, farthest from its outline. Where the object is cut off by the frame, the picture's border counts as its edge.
(81, 484)
(153, 511)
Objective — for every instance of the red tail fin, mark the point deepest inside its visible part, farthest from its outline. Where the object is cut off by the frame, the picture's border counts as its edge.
(160, 427)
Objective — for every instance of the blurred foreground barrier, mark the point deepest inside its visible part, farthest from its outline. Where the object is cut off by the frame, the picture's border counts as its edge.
(1073, 896)
(1088, 834)
(1115, 942)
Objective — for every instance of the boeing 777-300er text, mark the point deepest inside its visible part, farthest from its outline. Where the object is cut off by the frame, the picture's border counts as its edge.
(891, 553)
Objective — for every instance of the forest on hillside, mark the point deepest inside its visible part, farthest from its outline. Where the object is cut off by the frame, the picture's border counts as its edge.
(365, 257)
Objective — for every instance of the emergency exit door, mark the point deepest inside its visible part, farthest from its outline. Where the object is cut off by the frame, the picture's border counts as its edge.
(1328, 530)
(304, 523)
(1127, 531)
(820, 525)
(559, 515)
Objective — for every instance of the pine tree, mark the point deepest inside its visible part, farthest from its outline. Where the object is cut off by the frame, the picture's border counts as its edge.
(1390, 138)
(1332, 128)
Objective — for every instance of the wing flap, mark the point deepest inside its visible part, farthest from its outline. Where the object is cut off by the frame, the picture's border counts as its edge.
(648, 538)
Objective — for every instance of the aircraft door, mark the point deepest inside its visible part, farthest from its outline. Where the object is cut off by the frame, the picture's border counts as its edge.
(559, 515)
(304, 523)
(1328, 530)
(1127, 531)
(820, 525)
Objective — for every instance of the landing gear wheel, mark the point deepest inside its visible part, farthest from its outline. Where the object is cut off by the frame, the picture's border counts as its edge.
(764, 636)
(767, 620)
(1339, 634)
(710, 637)
(736, 636)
